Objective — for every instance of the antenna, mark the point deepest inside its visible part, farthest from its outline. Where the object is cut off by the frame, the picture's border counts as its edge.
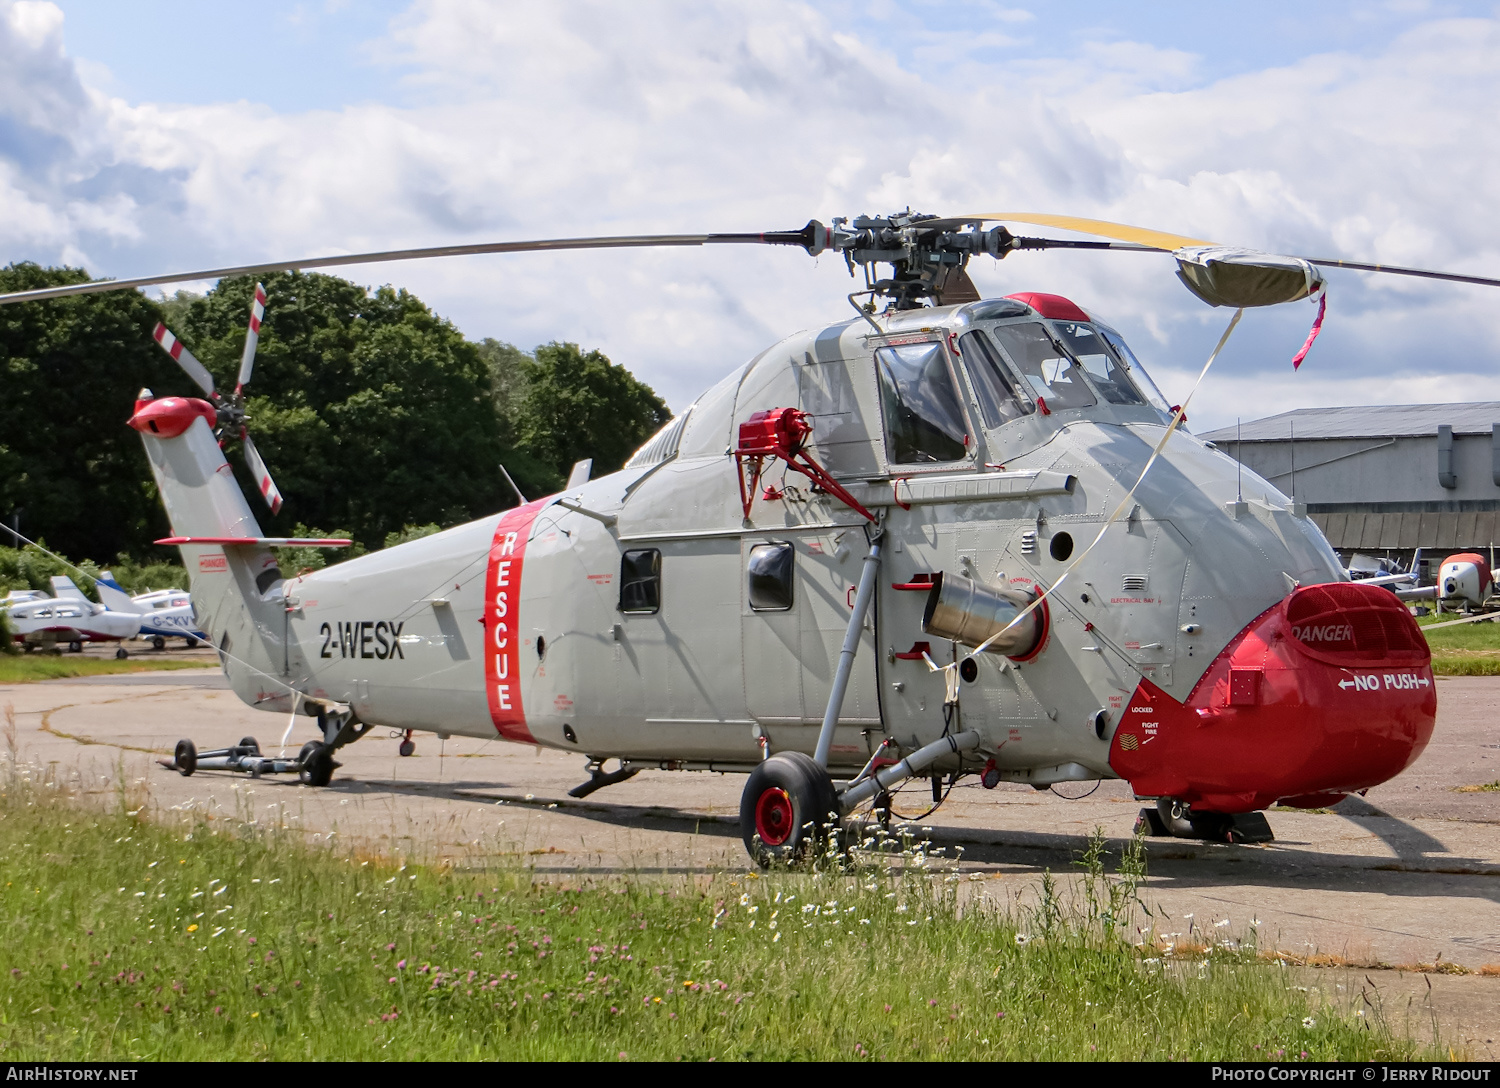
(513, 486)
(1291, 449)
(1239, 465)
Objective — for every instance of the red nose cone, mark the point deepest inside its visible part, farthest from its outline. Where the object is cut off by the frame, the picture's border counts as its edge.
(1328, 692)
(168, 417)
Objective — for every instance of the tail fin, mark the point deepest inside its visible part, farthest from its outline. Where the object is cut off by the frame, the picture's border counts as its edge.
(113, 596)
(64, 589)
(237, 589)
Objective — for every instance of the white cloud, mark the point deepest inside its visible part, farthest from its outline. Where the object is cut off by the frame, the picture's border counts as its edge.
(592, 117)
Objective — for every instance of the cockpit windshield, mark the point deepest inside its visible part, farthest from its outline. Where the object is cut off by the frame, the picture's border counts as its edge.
(1143, 380)
(1051, 373)
(1107, 373)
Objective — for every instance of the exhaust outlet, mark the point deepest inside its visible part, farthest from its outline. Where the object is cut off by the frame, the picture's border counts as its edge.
(966, 611)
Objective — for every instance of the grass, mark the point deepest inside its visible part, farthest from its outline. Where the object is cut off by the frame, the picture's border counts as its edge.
(24, 668)
(129, 940)
(1470, 649)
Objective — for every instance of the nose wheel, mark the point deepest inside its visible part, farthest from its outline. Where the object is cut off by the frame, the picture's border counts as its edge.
(407, 747)
(1178, 820)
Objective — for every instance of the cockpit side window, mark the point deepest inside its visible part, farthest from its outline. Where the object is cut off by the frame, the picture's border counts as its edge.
(1107, 373)
(1051, 373)
(1137, 371)
(924, 421)
(999, 401)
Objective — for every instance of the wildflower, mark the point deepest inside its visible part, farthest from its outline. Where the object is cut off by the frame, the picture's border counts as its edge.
(401, 965)
(392, 980)
(887, 1008)
(999, 1016)
(931, 1003)
(1309, 1022)
(390, 948)
(745, 900)
(1022, 938)
(252, 940)
(193, 928)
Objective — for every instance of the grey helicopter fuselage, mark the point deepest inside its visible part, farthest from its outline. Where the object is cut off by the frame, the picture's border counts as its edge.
(644, 616)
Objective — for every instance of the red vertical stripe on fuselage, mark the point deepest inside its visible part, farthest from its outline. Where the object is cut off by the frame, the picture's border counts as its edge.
(502, 629)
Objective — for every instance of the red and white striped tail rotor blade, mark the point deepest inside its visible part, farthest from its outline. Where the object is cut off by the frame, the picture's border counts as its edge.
(173, 347)
(263, 481)
(252, 337)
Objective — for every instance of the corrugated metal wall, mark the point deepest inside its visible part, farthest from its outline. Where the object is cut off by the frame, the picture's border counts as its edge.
(1381, 532)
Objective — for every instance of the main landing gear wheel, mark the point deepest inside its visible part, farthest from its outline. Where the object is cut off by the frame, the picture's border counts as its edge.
(121, 654)
(407, 747)
(158, 643)
(75, 647)
(185, 756)
(787, 808)
(317, 764)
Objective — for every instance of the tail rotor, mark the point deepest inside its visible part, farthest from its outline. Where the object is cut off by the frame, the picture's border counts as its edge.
(231, 409)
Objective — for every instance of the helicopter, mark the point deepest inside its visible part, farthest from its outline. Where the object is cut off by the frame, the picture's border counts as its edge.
(948, 535)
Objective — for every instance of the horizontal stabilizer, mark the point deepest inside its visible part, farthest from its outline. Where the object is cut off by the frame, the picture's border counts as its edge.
(267, 541)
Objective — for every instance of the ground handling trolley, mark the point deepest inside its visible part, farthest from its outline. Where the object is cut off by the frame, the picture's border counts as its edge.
(314, 764)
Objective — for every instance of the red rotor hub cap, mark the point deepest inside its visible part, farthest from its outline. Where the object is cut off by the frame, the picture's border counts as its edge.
(774, 819)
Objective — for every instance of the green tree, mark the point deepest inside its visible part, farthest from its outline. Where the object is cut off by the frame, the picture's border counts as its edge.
(69, 371)
(371, 411)
(578, 404)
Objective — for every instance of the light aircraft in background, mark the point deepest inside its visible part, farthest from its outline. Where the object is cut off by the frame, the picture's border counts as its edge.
(162, 613)
(68, 618)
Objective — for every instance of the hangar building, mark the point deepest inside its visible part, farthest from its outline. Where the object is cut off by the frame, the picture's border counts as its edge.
(1386, 479)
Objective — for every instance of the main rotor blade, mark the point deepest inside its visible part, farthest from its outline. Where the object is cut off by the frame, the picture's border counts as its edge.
(1154, 239)
(263, 481)
(1397, 270)
(173, 347)
(252, 337)
(622, 241)
(1161, 240)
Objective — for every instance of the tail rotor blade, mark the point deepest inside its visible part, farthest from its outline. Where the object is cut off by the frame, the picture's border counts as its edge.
(263, 481)
(173, 347)
(252, 337)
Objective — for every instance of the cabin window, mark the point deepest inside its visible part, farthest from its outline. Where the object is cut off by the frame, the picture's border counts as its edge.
(640, 580)
(1143, 380)
(770, 576)
(1105, 370)
(1053, 376)
(999, 402)
(924, 422)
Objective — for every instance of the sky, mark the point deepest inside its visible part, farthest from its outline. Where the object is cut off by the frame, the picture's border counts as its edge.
(168, 135)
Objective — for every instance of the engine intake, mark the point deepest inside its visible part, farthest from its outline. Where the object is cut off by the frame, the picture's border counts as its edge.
(970, 612)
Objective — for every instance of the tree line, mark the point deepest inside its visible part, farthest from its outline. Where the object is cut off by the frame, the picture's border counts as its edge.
(378, 419)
